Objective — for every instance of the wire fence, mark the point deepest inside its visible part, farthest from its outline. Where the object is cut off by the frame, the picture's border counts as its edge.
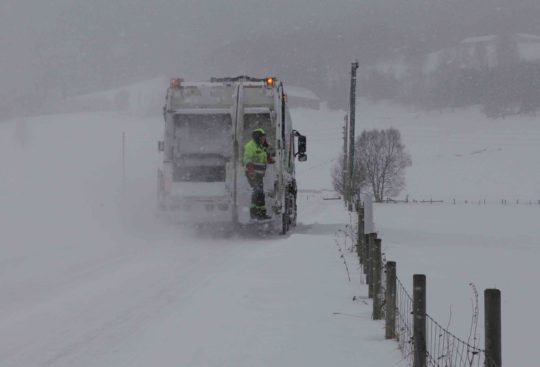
(442, 348)
(404, 322)
(447, 350)
(524, 202)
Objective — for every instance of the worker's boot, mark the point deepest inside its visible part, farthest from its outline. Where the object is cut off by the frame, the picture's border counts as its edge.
(261, 214)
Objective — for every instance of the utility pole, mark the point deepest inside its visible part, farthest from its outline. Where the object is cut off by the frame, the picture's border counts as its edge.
(352, 115)
(345, 175)
(123, 160)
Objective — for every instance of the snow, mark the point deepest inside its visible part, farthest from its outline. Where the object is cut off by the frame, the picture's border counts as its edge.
(492, 246)
(462, 155)
(433, 61)
(529, 51)
(397, 68)
(90, 277)
(198, 189)
(479, 52)
(145, 97)
(475, 52)
(478, 39)
(301, 93)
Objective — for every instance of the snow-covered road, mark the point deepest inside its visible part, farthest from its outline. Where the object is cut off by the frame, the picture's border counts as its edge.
(89, 276)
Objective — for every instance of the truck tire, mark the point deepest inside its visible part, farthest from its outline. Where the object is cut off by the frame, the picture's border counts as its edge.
(285, 219)
(294, 209)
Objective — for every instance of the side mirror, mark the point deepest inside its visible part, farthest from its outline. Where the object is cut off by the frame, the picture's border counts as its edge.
(161, 146)
(302, 143)
(302, 146)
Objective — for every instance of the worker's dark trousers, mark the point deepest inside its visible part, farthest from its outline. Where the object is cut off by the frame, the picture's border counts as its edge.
(258, 206)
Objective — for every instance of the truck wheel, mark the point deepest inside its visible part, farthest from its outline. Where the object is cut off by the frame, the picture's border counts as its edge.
(293, 207)
(283, 229)
(294, 211)
(285, 218)
(159, 192)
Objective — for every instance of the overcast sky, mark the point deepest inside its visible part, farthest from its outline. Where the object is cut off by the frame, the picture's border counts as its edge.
(58, 44)
(177, 24)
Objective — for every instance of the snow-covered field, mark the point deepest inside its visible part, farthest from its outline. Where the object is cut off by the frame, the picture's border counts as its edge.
(89, 277)
(462, 155)
(492, 246)
(456, 154)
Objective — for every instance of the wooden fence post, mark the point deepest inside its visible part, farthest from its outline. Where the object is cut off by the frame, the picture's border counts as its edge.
(360, 234)
(365, 257)
(376, 278)
(369, 276)
(419, 323)
(492, 311)
(391, 285)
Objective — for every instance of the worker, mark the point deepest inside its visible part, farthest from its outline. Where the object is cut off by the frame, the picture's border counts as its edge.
(255, 159)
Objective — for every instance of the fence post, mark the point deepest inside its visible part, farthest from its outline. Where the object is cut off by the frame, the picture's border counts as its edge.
(368, 214)
(391, 286)
(123, 160)
(492, 311)
(360, 234)
(419, 323)
(376, 280)
(365, 257)
(369, 275)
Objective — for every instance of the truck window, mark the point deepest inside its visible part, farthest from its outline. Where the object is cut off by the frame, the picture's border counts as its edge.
(202, 147)
(203, 134)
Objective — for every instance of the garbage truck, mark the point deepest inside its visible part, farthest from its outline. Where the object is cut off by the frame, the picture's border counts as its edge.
(202, 179)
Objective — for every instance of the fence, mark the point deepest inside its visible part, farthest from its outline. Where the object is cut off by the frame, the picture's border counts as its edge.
(464, 201)
(422, 340)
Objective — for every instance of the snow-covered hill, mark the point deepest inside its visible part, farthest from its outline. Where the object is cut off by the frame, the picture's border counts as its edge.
(146, 98)
(476, 53)
(486, 52)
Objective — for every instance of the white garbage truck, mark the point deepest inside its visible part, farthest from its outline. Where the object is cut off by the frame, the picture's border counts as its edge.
(203, 177)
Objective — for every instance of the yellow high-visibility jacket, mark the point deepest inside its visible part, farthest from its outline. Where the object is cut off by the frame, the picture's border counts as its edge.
(254, 153)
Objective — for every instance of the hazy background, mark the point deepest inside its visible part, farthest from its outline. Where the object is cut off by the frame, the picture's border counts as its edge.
(59, 48)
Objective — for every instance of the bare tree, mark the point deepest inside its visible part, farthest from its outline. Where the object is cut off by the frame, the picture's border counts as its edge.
(340, 178)
(382, 159)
